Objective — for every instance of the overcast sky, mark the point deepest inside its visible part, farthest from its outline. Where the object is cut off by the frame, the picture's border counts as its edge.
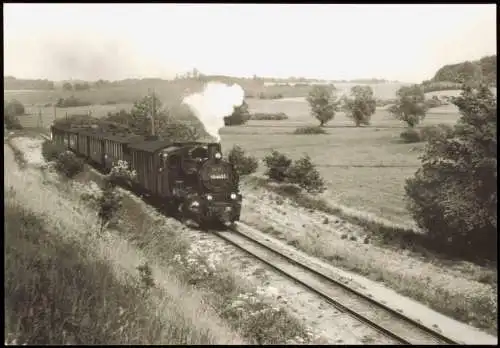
(115, 41)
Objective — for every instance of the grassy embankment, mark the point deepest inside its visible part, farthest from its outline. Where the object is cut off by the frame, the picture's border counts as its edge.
(162, 242)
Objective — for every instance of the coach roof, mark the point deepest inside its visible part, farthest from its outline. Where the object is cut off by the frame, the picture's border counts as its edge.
(157, 145)
(115, 137)
(150, 145)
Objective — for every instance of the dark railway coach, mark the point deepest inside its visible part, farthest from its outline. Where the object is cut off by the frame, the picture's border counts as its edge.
(83, 143)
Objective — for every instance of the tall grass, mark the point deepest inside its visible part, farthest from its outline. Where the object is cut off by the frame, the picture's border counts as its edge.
(55, 294)
(178, 271)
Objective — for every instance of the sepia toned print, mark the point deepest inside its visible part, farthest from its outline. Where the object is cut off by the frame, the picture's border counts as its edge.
(250, 174)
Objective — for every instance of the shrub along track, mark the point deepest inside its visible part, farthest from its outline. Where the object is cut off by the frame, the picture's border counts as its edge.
(389, 322)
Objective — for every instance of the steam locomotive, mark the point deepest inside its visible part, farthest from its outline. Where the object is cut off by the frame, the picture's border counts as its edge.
(189, 178)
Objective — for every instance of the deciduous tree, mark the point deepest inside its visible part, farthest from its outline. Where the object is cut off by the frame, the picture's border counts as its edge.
(410, 106)
(454, 194)
(361, 106)
(323, 103)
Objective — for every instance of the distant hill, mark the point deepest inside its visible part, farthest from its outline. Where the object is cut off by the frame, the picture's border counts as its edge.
(484, 68)
(12, 83)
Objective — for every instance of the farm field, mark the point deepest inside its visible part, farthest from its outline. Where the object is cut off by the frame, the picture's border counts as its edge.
(365, 167)
(31, 118)
(173, 91)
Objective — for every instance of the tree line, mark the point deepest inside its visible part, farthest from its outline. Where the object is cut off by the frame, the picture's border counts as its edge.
(409, 107)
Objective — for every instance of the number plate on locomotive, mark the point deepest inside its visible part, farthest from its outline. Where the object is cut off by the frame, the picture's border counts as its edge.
(218, 173)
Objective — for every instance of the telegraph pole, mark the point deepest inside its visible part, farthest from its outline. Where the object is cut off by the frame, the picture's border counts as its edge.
(40, 121)
(153, 112)
(55, 113)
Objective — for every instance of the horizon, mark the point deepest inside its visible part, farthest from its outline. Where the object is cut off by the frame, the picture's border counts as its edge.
(279, 79)
(98, 41)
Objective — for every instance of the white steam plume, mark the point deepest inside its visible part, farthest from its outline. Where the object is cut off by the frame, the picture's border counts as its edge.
(216, 101)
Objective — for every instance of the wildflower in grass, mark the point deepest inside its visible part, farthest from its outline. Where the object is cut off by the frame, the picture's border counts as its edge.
(121, 173)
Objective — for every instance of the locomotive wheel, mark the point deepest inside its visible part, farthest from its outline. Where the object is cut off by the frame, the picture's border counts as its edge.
(171, 208)
(206, 224)
(203, 224)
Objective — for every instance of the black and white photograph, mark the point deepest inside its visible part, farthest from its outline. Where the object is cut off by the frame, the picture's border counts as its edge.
(250, 174)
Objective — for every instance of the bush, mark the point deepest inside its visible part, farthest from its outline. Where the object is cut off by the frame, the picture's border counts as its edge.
(454, 194)
(13, 108)
(269, 116)
(109, 204)
(309, 130)
(68, 164)
(11, 122)
(51, 150)
(277, 165)
(440, 86)
(77, 120)
(448, 130)
(263, 95)
(239, 116)
(121, 174)
(434, 102)
(243, 165)
(304, 173)
(410, 136)
(71, 102)
(436, 131)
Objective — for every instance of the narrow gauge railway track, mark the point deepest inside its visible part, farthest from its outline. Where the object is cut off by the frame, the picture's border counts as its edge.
(385, 320)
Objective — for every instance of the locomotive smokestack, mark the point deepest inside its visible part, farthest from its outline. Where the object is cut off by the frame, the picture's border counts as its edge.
(214, 149)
